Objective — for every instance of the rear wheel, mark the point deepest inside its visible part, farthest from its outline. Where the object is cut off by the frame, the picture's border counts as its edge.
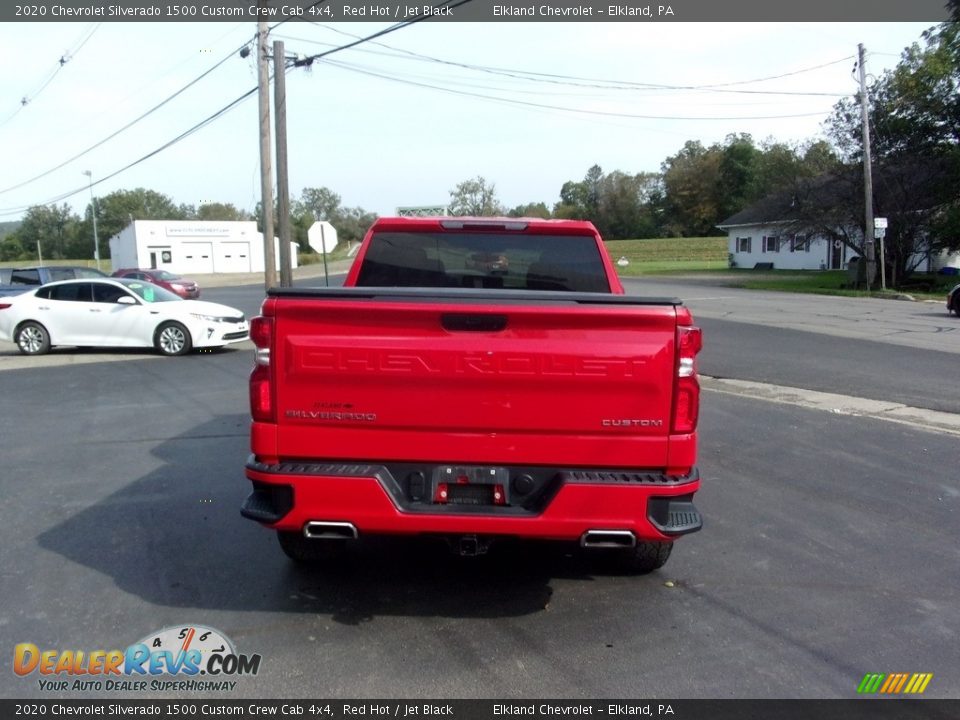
(172, 338)
(645, 557)
(309, 551)
(32, 338)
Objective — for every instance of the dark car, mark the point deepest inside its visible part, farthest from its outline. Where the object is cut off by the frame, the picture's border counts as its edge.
(14, 281)
(953, 300)
(51, 273)
(183, 287)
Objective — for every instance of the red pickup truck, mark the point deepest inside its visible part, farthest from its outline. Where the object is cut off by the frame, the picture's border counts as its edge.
(476, 379)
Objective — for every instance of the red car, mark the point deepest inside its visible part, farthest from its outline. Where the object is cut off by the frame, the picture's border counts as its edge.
(183, 287)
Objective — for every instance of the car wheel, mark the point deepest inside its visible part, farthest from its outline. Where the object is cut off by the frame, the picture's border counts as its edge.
(645, 557)
(33, 339)
(308, 551)
(172, 338)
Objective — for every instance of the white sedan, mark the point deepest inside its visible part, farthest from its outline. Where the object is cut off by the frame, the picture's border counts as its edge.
(115, 312)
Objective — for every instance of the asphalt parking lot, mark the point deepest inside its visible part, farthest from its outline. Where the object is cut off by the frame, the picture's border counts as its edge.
(830, 548)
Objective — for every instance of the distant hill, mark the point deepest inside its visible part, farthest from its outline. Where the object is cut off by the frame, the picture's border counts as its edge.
(8, 227)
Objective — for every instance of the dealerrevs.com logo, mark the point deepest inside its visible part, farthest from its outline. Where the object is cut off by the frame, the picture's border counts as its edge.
(177, 658)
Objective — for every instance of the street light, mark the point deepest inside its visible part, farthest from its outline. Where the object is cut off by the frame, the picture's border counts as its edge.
(93, 202)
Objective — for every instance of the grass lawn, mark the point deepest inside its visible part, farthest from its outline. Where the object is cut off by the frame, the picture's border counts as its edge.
(922, 286)
(666, 255)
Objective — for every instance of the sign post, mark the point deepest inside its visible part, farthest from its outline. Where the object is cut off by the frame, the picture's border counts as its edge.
(879, 231)
(322, 237)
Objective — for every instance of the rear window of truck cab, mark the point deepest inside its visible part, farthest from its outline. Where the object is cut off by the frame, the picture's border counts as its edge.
(484, 260)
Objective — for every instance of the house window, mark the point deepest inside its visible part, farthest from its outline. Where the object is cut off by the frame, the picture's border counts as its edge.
(771, 244)
(743, 244)
(799, 243)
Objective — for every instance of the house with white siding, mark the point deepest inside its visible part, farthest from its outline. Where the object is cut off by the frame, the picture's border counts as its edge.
(750, 243)
(765, 234)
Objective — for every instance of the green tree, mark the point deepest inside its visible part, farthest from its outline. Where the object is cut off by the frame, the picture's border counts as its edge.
(581, 200)
(118, 209)
(738, 177)
(475, 198)
(353, 223)
(11, 249)
(914, 112)
(321, 203)
(624, 205)
(537, 210)
(220, 211)
(53, 227)
(573, 202)
(691, 180)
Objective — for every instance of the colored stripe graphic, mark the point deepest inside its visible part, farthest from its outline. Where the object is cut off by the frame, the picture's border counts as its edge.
(894, 683)
(870, 683)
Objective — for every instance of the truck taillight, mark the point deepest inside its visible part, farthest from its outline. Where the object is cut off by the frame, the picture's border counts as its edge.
(261, 333)
(261, 388)
(686, 399)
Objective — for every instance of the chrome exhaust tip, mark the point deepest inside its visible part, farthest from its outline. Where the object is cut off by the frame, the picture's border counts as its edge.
(608, 539)
(317, 530)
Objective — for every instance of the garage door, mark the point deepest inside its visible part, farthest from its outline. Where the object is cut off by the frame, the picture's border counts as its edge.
(197, 258)
(233, 256)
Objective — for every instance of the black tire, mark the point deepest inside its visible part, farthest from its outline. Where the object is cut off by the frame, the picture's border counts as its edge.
(307, 551)
(32, 338)
(172, 338)
(646, 557)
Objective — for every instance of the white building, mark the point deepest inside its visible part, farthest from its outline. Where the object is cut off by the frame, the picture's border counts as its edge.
(753, 243)
(753, 238)
(193, 246)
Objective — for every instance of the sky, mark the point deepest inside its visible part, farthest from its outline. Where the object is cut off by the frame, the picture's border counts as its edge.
(401, 121)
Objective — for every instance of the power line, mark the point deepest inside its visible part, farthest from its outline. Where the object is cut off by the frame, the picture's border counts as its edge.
(527, 103)
(125, 127)
(203, 123)
(369, 38)
(141, 117)
(61, 63)
(607, 84)
(182, 136)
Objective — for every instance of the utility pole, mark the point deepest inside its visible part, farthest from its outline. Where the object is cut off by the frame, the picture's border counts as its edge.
(93, 213)
(266, 186)
(283, 181)
(868, 244)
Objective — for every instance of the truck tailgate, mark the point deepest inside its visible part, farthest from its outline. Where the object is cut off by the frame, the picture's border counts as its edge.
(404, 378)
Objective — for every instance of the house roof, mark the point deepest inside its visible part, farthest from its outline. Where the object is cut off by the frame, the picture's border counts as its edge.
(776, 208)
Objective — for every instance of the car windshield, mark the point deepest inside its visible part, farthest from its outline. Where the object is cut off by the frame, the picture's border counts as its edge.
(150, 293)
(164, 275)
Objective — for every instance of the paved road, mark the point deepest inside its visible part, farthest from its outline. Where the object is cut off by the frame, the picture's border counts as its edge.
(924, 325)
(899, 351)
(830, 550)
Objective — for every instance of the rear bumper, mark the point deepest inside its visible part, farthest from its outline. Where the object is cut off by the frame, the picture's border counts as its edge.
(652, 506)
